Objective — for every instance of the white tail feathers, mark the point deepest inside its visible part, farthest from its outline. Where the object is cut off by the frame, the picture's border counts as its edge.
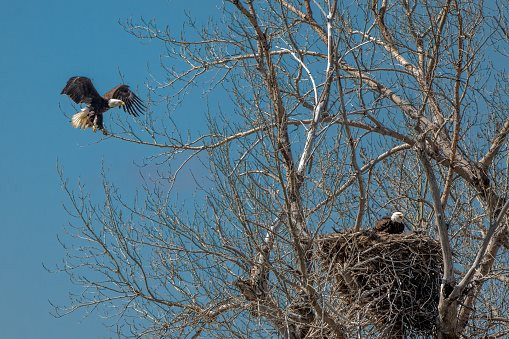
(81, 120)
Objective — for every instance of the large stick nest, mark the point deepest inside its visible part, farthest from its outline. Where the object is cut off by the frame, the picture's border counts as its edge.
(393, 280)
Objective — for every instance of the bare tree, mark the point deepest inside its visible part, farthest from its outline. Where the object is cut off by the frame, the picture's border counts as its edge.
(338, 111)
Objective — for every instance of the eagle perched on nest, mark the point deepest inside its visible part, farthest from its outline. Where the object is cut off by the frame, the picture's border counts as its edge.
(392, 225)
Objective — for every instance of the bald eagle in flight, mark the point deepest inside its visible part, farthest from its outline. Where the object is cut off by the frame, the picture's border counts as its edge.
(81, 90)
(392, 225)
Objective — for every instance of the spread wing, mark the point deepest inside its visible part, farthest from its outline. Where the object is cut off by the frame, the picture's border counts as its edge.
(133, 104)
(81, 90)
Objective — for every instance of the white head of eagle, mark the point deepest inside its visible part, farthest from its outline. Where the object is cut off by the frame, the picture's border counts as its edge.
(115, 103)
(397, 217)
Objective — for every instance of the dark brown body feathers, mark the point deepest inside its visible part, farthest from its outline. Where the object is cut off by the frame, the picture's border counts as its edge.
(388, 226)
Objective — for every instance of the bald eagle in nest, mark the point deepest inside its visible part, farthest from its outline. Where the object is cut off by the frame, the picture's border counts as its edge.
(392, 225)
(81, 90)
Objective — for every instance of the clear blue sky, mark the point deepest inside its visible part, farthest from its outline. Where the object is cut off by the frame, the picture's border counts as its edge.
(43, 43)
